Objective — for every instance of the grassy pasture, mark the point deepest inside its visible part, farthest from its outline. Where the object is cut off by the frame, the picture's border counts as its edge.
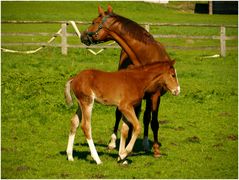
(198, 129)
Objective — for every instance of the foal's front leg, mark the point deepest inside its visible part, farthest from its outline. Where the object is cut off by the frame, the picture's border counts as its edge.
(124, 135)
(128, 112)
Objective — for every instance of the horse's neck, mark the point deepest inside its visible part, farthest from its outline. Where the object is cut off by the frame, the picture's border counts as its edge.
(126, 46)
(137, 50)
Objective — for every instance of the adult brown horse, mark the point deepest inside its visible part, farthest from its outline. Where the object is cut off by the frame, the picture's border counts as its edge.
(139, 48)
(124, 89)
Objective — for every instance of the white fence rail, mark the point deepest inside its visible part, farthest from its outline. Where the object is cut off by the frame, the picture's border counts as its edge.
(64, 36)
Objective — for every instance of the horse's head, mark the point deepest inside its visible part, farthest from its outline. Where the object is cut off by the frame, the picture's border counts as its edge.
(171, 80)
(97, 31)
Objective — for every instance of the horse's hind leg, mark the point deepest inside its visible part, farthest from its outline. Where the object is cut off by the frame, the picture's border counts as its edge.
(86, 127)
(112, 144)
(74, 126)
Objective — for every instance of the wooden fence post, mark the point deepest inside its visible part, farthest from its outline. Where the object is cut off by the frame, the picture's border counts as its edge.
(210, 4)
(223, 41)
(147, 27)
(64, 39)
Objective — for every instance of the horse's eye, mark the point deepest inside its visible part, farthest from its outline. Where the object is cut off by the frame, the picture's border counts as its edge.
(93, 23)
(174, 75)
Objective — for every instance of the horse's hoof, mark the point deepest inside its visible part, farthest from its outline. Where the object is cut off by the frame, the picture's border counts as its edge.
(146, 144)
(156, 150)
(157, 155)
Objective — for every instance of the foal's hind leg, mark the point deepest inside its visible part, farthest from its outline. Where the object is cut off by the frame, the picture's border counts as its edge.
(86, 127)
(74, 126)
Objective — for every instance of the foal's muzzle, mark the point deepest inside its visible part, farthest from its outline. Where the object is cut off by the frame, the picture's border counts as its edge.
(176, 91)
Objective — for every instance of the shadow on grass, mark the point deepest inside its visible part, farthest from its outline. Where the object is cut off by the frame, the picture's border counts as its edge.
(138, 150)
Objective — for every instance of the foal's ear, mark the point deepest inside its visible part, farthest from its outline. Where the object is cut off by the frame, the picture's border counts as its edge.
(110, 9)
(101, 11)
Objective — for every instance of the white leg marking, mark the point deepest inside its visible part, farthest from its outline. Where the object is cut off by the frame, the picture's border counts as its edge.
(93, 151)
(69, 150)
(112, 144)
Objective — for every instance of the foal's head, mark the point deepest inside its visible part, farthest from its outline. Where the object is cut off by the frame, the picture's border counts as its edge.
(97, 31)
(170, 79)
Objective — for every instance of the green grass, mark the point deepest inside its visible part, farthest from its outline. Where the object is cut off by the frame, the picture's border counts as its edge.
(198, 129)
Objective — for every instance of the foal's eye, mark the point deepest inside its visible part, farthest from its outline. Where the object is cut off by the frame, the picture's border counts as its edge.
(174, 75)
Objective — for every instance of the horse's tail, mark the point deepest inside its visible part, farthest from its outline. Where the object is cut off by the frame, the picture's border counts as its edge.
(68, 93)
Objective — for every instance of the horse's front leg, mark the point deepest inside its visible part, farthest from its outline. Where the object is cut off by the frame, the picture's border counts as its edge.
(147, 118)
(154, 123)
(74, 126)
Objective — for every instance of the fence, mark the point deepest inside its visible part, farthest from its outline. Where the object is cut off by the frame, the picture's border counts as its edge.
(64, 35)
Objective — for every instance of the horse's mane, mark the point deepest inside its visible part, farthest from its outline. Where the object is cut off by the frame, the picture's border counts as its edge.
(133, 29)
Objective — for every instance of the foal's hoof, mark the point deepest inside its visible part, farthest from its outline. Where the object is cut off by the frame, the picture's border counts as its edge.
(112, 143)
(70, 159)
(122, 161)
(110, 147)
(157, 155)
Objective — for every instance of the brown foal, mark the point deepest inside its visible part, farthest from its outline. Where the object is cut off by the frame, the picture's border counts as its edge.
(124, 89)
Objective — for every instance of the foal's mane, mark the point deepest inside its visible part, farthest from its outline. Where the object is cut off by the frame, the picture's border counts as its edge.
(133, 29)
(151, 65)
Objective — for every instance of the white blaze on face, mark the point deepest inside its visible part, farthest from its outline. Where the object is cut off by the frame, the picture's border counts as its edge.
(177, 90)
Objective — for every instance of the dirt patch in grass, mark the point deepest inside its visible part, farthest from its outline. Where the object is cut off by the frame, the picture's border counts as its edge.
(193, 139)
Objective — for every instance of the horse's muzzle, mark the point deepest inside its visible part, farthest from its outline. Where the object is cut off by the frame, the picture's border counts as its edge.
(86, 39)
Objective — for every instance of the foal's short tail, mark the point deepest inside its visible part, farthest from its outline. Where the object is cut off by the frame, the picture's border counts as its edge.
(68, 93)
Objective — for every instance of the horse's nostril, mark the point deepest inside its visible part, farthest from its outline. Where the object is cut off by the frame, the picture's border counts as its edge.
(85, 40)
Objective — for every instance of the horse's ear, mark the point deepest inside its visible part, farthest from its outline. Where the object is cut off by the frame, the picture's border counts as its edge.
(173, 62)
(110, 9)
(101, 11)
